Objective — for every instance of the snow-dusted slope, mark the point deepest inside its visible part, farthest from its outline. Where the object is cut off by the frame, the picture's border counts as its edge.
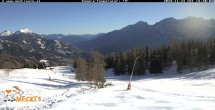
(6, 33)
(164, 92)
(22, 30)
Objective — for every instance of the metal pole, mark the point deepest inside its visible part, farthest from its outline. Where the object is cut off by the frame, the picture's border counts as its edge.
(133, 68)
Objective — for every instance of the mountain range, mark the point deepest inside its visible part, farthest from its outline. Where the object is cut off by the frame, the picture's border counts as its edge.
(72, 39)
(26, 45)
(142, 34)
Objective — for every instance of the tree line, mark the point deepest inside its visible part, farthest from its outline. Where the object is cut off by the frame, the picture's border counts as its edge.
(186, 54)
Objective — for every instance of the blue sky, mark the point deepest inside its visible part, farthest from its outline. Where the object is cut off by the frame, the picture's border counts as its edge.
(92, 18)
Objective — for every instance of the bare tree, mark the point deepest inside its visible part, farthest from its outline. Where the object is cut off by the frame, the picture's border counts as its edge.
(92, 70)
(96, 69)
(81, 70)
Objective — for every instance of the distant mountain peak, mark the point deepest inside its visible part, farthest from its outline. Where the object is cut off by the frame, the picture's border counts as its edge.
(24, 30)
(166, 20)
(171, 18)
(141, 23)
(6, 33)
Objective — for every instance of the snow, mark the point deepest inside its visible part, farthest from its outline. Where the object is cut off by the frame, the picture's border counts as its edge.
(43, 61)
(147, 93)
(193, 91)
(58, 45)
(6, 33)
(39, 42)
(24, 42)
(24, 30)
(36, 82)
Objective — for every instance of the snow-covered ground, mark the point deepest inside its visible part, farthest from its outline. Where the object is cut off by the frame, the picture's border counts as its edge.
(193, 91)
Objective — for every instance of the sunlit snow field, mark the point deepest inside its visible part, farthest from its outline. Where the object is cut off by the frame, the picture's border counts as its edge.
(168, 91)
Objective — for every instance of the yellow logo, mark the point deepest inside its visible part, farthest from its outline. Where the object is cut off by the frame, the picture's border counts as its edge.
(28, 99)
(16, 94)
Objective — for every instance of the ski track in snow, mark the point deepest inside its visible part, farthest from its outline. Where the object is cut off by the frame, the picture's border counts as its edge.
(50, 101)
(64, 90)
(193, 91)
